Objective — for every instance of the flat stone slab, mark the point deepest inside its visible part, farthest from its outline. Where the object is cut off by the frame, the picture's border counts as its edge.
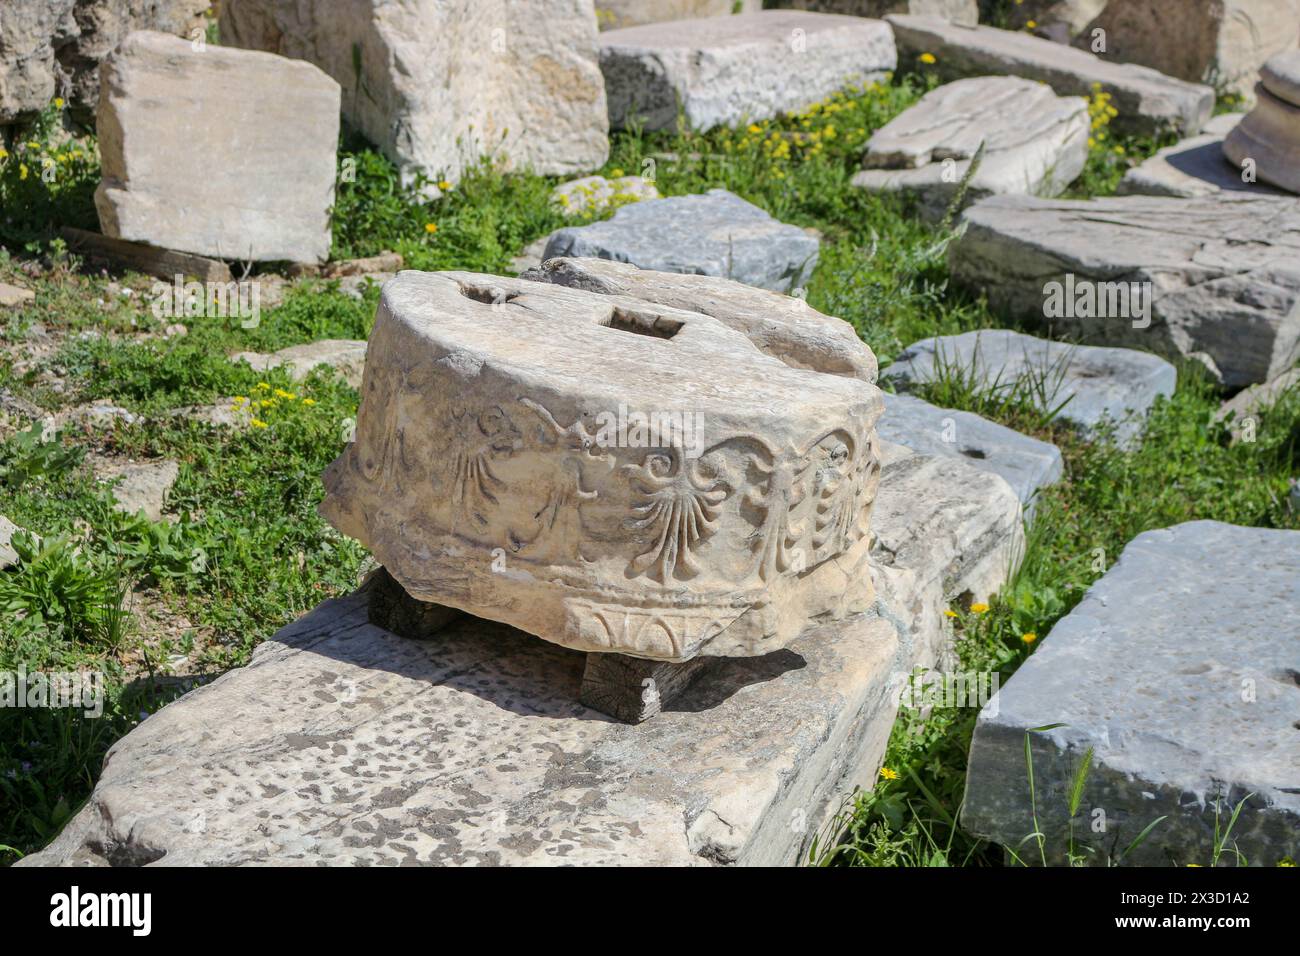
(714, 233)
(720, 71)
(1194, 166)
(346, 356)
(594, 194)
(1034, 142)
(1186, 691)
(1095, 384)
(1223, 274)
(273, 121)
(12, 296)
(342, 744)
(1148, 101)
(138, 485)
(782, 326)
(1027, 464)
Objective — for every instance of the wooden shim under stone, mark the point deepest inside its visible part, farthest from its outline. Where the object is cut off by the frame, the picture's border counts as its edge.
(398, 613)
(151, 260)
(632, 689)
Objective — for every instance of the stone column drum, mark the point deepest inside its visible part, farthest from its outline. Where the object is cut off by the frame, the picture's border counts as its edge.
(607, 473)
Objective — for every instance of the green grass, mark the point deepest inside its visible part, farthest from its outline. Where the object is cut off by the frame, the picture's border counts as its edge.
(248, 553)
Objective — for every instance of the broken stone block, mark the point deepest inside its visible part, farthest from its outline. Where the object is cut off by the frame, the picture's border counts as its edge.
(594, 194)
(274, 120)
(719, 71)
(8, 556)
(346, 356)
(439, 84)
(1215, 279)
(1148, 102)
(1247, 405)
(138, 486)
(1194, 166)
(1092, 385)
(1178, 670)
(782, 326)
(1026, 463)
(1034, 142)
(53, 48)
(1268, 139)
(571, 464)
(715, 234)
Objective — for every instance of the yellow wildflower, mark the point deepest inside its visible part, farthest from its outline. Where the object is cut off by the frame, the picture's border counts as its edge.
(616, 173)
(258, 423)
(288, 396)
(309, 401)
(431, 227)
(3, 152)
(1029, 637)
(949, 613)
(888, 774)
(22, 170)
(264, 386)
(755, 128)
(927, 58)
(1030, 24)
(58, 102)
(444, 185)
(979, 607)
(240, 400)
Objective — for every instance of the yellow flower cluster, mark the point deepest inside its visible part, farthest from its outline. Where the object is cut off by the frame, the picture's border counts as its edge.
(260, 405)
(1100, 113)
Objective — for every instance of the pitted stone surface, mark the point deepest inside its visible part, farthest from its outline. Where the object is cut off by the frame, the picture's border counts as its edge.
(782, 326)
(342, 744)
(1148, 102)
(1224, 273)
(715, 234)
(270, 201)
(604, 472)
(1179, 669)
(437, 84)
(719, 71)
(1094, 385)
(1034, 142)
(1027, 464)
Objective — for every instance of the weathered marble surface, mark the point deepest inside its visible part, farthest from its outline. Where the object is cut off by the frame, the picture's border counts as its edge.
(436, 84)
(613, 14)
(959, 11)
(719, 71)
(341, 744)
(1035, 143)
(499, 468)
(782, 326)
(1224, 272)
(1268, 139)
(1194, 166)
(1147, 101)
(346, 356)
(1027, 464)
(1093, 385)
(1185, 690)
(714, 233)
(270, 199)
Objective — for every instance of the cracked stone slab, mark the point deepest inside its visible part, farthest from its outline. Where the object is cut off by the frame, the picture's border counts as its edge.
(782, 326)
(1026, 463)
(1186, 692)
(1148, 102)
(342, 744)
(714, 233)
(346, 356)
(138, 486)
(1035, 142)
(720, 71)
(1095, 385)
(270, 200)
(1194, 166)
(1224, 273)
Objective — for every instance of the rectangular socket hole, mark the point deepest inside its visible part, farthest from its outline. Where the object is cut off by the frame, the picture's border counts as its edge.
(641, 323)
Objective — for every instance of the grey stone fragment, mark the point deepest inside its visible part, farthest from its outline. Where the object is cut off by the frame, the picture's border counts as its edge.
(1026, 463)
(1250, 402)
(12, 295)
(346, 356)
(138, 486)
(720, 71)
(958, 11)
(1179, 669)
(784, 327)
(1034, 141)
(8, 556)
(1223, 273)
(1148, 102)
(343, 744)
(1268, 140)
(715, 233)
(1091, 384)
